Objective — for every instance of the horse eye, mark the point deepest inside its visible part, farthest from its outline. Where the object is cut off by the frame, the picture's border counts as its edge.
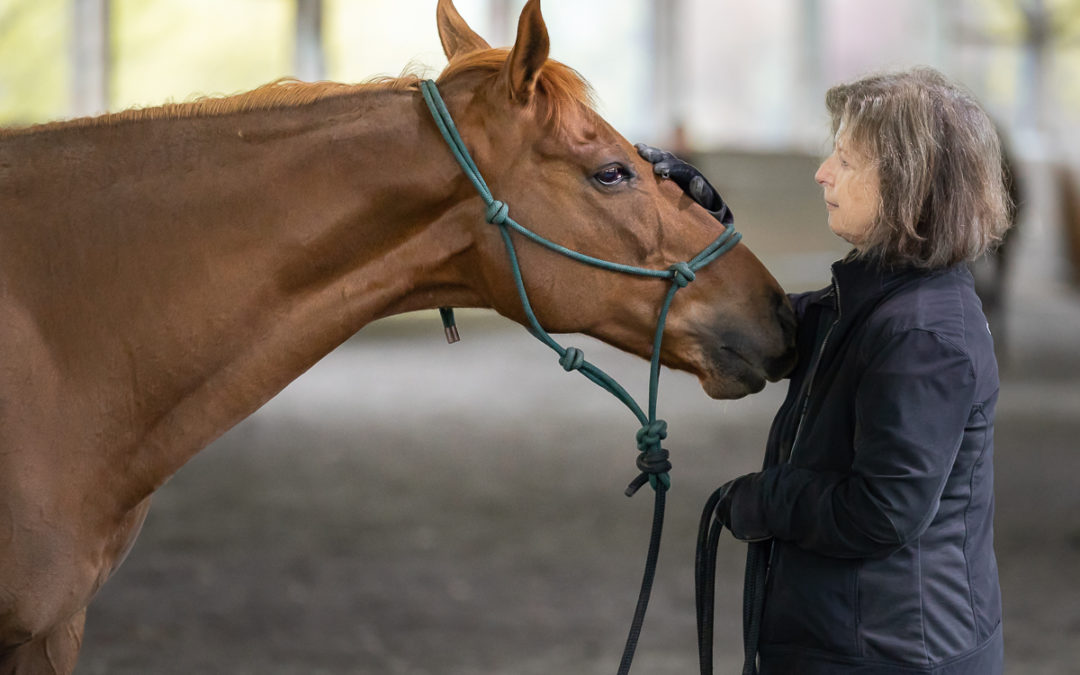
(611, 175)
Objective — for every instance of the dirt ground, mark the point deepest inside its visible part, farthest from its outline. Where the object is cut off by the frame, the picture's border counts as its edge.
(409, 507)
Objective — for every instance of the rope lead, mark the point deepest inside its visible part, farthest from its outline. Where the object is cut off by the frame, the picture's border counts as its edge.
(449, 326)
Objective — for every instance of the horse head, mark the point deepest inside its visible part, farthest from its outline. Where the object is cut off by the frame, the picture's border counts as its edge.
(567, 174)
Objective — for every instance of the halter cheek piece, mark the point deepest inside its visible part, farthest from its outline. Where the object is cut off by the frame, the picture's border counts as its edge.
(652, 461)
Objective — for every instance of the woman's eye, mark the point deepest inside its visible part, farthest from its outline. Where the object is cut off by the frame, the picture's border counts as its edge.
(611, 175)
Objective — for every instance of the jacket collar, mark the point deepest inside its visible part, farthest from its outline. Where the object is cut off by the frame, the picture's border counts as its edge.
(858, 282)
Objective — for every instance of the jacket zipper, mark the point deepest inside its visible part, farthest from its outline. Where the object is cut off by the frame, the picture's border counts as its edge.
(806, 403)
(813, 374)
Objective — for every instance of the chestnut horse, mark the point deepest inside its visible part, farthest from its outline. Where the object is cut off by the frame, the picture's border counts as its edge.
(164, 272)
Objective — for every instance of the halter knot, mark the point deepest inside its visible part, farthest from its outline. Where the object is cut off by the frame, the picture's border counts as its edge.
(572, 359)
(497, 212)
(654, 462)
(682, 274)
(650, 435)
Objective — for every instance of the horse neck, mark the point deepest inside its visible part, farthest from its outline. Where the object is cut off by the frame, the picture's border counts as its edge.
(216, 259)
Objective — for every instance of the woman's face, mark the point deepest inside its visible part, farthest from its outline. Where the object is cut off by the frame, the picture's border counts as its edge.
(852, 191)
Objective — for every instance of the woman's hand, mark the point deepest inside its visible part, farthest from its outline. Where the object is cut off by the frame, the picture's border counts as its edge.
(739, 508)
(687, 177)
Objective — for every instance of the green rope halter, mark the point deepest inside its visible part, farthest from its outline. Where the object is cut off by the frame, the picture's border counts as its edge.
(653, 430)
(652, 460)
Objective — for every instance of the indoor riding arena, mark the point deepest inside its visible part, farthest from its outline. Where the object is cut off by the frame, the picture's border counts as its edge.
(413, 507)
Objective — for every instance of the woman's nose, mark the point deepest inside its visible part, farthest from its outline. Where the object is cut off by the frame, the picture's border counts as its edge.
(824, 173)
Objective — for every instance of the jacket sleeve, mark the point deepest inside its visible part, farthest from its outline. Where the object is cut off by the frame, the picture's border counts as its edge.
(911, 408)
(799, 302)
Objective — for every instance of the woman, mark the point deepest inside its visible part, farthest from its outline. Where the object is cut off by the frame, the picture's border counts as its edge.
(876, 497)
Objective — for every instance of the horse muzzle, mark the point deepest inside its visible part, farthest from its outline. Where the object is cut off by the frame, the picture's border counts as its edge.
(743, 358)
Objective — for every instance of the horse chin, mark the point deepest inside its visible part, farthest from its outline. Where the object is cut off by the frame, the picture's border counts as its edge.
(728, 387)
(731, 376)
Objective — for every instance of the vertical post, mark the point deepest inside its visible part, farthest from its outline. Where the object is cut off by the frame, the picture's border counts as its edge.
(942, 50)
(502, 26)
(810, 77)
(667, 74)
(1041, 147)
(309, 62)
(90, 57)
(1034, 63)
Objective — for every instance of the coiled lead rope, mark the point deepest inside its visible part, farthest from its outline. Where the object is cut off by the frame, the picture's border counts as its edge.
(709, 531)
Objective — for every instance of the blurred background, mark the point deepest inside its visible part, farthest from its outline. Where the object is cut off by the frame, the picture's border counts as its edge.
(412, 507)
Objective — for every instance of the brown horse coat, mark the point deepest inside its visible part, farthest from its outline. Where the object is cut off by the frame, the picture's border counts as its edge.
(163, 273)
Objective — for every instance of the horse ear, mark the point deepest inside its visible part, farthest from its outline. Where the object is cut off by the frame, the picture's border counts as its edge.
(455, 35)
(529, 54)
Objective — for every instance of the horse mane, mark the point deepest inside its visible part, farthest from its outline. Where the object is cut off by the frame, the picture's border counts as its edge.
(562, 87)
(281, 93)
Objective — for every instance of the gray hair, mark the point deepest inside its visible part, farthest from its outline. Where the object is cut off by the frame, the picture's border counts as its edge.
(939, 163)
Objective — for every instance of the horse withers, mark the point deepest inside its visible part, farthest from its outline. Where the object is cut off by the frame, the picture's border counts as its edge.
(166, 271)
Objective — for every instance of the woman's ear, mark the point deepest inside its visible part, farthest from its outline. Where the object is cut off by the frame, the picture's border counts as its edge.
(529, 54)
(456, 36)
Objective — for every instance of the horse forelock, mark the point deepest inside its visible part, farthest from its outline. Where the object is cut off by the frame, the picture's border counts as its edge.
(564, 93)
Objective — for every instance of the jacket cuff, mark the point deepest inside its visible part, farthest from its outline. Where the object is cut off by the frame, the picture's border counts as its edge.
(747, 509)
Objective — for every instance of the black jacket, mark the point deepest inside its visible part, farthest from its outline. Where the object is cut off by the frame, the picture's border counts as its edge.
(878, 482)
